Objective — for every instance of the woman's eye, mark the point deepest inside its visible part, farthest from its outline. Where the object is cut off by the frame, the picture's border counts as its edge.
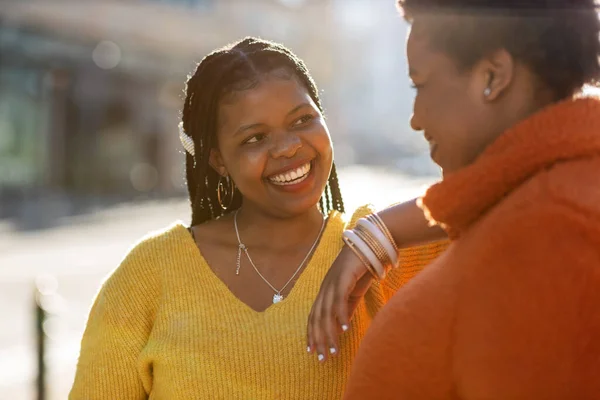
(303, 120)
(414, 86)
(254, 138)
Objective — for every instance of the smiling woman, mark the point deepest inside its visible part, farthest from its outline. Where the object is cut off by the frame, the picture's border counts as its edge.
(511, 309)
(274, 144)
(217, 310)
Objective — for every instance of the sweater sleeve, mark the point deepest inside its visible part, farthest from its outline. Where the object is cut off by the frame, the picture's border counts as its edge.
(412, 260)
(118, 327)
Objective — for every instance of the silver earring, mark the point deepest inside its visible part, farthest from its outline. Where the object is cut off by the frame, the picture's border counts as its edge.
(487, 92)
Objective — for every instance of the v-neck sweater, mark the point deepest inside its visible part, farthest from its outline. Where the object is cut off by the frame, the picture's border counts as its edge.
(164, 326)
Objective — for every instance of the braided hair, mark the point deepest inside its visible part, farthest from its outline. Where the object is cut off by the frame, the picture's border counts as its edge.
(234, 67)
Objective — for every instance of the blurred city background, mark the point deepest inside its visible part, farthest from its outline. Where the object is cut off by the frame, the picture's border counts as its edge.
(90, 160)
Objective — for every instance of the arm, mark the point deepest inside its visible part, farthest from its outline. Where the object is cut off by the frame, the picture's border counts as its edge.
(408, 225)
(116, 333)
(347, 281)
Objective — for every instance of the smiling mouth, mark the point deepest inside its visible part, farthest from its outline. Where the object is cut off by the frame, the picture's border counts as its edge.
(432, 143)
(293, 176)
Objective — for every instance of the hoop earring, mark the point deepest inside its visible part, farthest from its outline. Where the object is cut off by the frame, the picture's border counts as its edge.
(224, 191)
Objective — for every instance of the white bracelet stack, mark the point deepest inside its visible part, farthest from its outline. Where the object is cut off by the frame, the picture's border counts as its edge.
(373, 244)
(366, 251)
(380, 236)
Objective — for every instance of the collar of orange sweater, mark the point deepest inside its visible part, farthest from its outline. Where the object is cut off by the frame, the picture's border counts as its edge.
(561, 132)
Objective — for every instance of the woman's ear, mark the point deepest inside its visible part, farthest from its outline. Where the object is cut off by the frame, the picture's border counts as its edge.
(497, 73)
(215, 160)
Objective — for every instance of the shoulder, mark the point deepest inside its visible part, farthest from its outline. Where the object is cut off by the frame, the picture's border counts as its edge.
(155, 245)
(532, 272)
(575, 184)
(361, 212)
(564, 198)
(140, 267)
(541, 224)
(544, 235)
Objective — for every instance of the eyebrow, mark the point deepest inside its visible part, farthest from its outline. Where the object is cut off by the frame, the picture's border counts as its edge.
(412, 71)
(252, 126)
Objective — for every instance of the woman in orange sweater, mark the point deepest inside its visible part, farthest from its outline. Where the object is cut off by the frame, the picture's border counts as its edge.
(512, 309)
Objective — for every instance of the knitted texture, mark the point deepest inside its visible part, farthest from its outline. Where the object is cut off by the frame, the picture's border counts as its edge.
(562, 132)
(510, 310)
(163, 326)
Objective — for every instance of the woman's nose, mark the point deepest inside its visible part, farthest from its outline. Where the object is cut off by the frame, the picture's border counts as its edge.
(286, 146)
(414, 123)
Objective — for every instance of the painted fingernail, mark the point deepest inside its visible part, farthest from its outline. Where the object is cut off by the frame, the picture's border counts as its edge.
(332, 350)
(321, 357)
(344, 327)
(308, 349)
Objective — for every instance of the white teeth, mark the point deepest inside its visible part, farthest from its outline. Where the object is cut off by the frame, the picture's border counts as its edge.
(292, 177)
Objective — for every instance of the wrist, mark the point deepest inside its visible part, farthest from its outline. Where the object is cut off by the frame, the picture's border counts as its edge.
(373, 244)
(362, 258)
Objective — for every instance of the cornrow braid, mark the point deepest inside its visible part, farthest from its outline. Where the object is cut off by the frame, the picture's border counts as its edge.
(336, 195)
(228, 69)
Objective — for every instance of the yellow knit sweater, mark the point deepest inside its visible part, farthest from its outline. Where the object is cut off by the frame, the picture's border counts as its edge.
(163, 326)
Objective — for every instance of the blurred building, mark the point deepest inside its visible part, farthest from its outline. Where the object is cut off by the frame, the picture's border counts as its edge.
(90, 90)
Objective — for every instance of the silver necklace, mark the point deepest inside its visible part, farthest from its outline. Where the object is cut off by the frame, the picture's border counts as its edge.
(277, 297)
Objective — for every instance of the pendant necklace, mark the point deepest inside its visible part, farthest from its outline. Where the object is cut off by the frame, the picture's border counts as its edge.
(277, 297)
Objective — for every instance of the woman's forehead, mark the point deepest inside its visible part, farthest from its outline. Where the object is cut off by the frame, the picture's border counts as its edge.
(418, 53)
(269, 97)
(423, 59)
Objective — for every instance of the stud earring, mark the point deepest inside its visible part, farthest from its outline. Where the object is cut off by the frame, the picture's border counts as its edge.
(487, 92)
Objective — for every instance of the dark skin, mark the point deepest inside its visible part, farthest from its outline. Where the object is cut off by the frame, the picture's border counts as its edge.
(460, 112)
(263, 131)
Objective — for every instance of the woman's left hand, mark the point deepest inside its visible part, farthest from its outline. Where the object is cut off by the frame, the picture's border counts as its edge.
(344, 285)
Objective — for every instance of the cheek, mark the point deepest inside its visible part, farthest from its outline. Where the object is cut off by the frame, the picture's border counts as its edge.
(446, 114)
(321, 143)
(319, 139)
(247, 165)
(325, 147)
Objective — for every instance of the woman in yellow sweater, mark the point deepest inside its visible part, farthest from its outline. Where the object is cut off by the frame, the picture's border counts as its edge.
(218, 310)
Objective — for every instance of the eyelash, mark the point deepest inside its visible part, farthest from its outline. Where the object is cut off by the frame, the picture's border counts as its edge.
(256, 135)
(305, 119)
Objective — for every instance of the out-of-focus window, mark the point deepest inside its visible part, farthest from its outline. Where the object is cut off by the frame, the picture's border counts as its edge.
(188, 3)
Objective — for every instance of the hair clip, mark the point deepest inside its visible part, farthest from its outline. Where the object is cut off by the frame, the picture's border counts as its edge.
(186, 141)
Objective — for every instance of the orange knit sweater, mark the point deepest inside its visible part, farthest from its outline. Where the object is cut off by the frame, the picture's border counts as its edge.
(512, 310)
